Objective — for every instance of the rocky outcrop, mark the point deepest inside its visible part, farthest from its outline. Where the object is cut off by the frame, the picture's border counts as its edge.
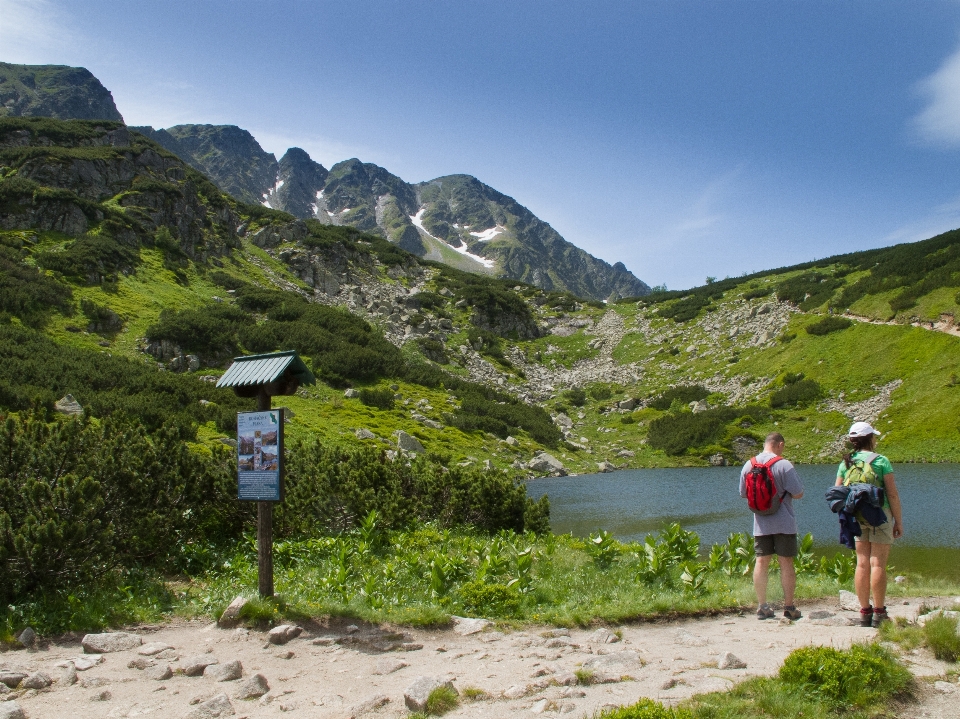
(299, 186)
(57, 91)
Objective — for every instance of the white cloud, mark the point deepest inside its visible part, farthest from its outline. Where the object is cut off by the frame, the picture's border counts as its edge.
(939, 219)
(34, 32)
(704, 216)
(939, 122)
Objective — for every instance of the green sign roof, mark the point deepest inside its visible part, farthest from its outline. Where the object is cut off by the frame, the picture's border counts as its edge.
(263, 369)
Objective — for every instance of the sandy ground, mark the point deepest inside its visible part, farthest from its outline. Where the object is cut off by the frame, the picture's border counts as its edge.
(337, 669)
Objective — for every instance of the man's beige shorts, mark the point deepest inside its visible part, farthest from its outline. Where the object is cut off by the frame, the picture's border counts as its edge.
(877, 535)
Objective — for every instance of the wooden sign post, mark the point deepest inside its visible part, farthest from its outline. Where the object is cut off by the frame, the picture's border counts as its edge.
(260, 456)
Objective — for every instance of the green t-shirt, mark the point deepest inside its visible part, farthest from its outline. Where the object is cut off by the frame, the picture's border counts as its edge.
(881, 467)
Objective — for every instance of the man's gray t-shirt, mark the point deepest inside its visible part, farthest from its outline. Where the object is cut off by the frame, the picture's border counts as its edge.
(786, 479)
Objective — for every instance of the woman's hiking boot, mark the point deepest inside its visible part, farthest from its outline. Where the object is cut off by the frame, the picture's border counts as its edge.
(764, 611)
(880, 616)
(791, 613)
(866, 617)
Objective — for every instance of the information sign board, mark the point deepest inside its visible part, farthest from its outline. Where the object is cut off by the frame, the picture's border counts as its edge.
(260, 455)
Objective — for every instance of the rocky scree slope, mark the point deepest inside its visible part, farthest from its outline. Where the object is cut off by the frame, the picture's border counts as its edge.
(65, 93)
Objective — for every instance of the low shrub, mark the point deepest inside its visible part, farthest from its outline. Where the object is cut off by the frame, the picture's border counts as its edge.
(861, 676)
(684, 393)
(379, 397)
(830, 323)
(941, 635)
(797, 393)
(486, 600)
(576, 396)
(442, 700)
(646, 709)
(600, 392)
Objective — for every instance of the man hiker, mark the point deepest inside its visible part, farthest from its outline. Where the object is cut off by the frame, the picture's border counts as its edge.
(770, 484)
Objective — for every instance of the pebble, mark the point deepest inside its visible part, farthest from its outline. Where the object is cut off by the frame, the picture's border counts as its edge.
(255, 686)
(389, 666)
(228, 672)
(110, 642)
(37, 680)
(195, 666)
(27, 637)
(159, 673)
(149, 650)
(103, 695)
(729, 660)
(284, 633)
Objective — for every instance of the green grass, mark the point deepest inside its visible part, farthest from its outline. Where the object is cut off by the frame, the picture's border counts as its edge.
(442, 700)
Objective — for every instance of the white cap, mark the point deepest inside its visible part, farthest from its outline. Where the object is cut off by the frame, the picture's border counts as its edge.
(861, 429)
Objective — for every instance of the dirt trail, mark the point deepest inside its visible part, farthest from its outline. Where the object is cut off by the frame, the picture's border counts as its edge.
(337, 670)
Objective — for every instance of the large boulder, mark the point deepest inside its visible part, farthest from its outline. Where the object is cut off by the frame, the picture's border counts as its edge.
(547, 464)
(409, 443)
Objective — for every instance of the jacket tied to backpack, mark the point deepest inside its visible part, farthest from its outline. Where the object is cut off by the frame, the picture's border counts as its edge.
(855, 502)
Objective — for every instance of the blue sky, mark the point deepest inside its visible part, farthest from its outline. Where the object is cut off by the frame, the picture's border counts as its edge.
(684, 139)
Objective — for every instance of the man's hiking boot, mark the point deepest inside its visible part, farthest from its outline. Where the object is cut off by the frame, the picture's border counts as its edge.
(866, 617)
(791, 613)
(765, 612)
(880, 616)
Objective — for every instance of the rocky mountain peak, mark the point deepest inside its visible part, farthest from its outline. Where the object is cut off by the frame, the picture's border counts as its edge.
(57, 91)
(299, 186)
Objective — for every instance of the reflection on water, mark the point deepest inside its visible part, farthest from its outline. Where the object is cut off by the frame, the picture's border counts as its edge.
(634, 503)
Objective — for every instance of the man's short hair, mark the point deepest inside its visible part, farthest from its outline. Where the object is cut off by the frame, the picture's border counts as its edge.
(774, 438)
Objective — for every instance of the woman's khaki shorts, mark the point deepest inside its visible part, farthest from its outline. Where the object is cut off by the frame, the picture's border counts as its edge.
(876, 535)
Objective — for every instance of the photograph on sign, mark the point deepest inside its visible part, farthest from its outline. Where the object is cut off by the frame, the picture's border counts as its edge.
(259, 449)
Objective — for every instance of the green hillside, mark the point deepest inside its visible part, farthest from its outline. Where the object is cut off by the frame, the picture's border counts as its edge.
(117, 251)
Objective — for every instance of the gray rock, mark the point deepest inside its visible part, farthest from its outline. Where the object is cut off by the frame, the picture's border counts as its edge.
(140, 663)
(110, 642)
(364, 433)
(626, 659)
(68, 675)
(255, 686)
(820, 614)
(415, 696)
(545, 462)
(69, 406)
(11, 710)
(231, 671)
(158, 673)
(4, 689)
(12, 677)
(283, 634)
(231, 615)
(717, 460)
(730, 661)
(465, 626)
(219, 706)
(27, 638)
(573, 692)
(84, 663)
(103, 695)
(565, 679)
(687, 639)
(627, 404)
(849, 601)
(153, 648)
(602, 636)
(944, 687)
(605, 467)
(37, 680)
(515, 692)
(195, 666)
(351, 393)
(370, 705)
(94, 682)
(389, 666)
(409, 443)
(669, 683)
(625, 453)
(512, 441)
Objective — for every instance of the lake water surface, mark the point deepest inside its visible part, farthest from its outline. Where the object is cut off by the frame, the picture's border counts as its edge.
(633, 503)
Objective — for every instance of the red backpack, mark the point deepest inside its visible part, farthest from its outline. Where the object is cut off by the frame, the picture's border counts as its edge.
(761, 489)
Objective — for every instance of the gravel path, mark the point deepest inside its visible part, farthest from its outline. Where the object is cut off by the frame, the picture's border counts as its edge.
(338, 670)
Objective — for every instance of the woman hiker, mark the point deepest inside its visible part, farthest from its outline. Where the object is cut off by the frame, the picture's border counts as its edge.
(862, 464)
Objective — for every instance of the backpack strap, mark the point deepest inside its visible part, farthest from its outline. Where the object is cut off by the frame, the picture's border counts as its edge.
(868, 457)
(770, 462)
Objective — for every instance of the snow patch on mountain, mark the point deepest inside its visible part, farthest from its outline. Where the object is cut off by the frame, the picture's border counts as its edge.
(417, 221)
(488, 235)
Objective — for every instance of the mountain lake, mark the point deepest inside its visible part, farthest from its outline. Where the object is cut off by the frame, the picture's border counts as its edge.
(633, 503)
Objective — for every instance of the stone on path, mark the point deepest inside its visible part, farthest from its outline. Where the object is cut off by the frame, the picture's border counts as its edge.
(149, 650)
(255, 686)
(110, 642)
(283, 634)
(68, 675)
(228, 672)
(219, 706)
(158, 673)
(27, 637)
(12, 677)
(103, 695)
(415, 696)
(140, 663)
(821, 614)
(540, 707)
(389, 666)
(370, 705)
(729, 660)
(924, 618)
(565, 679)
(37, 680)
(231, 615)
(602, 636)
(464, 626)
(82, 664)
(11, 710)
(195, 666)
(690, 640)
(944, 687)
(626, 659)
(849, 601)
